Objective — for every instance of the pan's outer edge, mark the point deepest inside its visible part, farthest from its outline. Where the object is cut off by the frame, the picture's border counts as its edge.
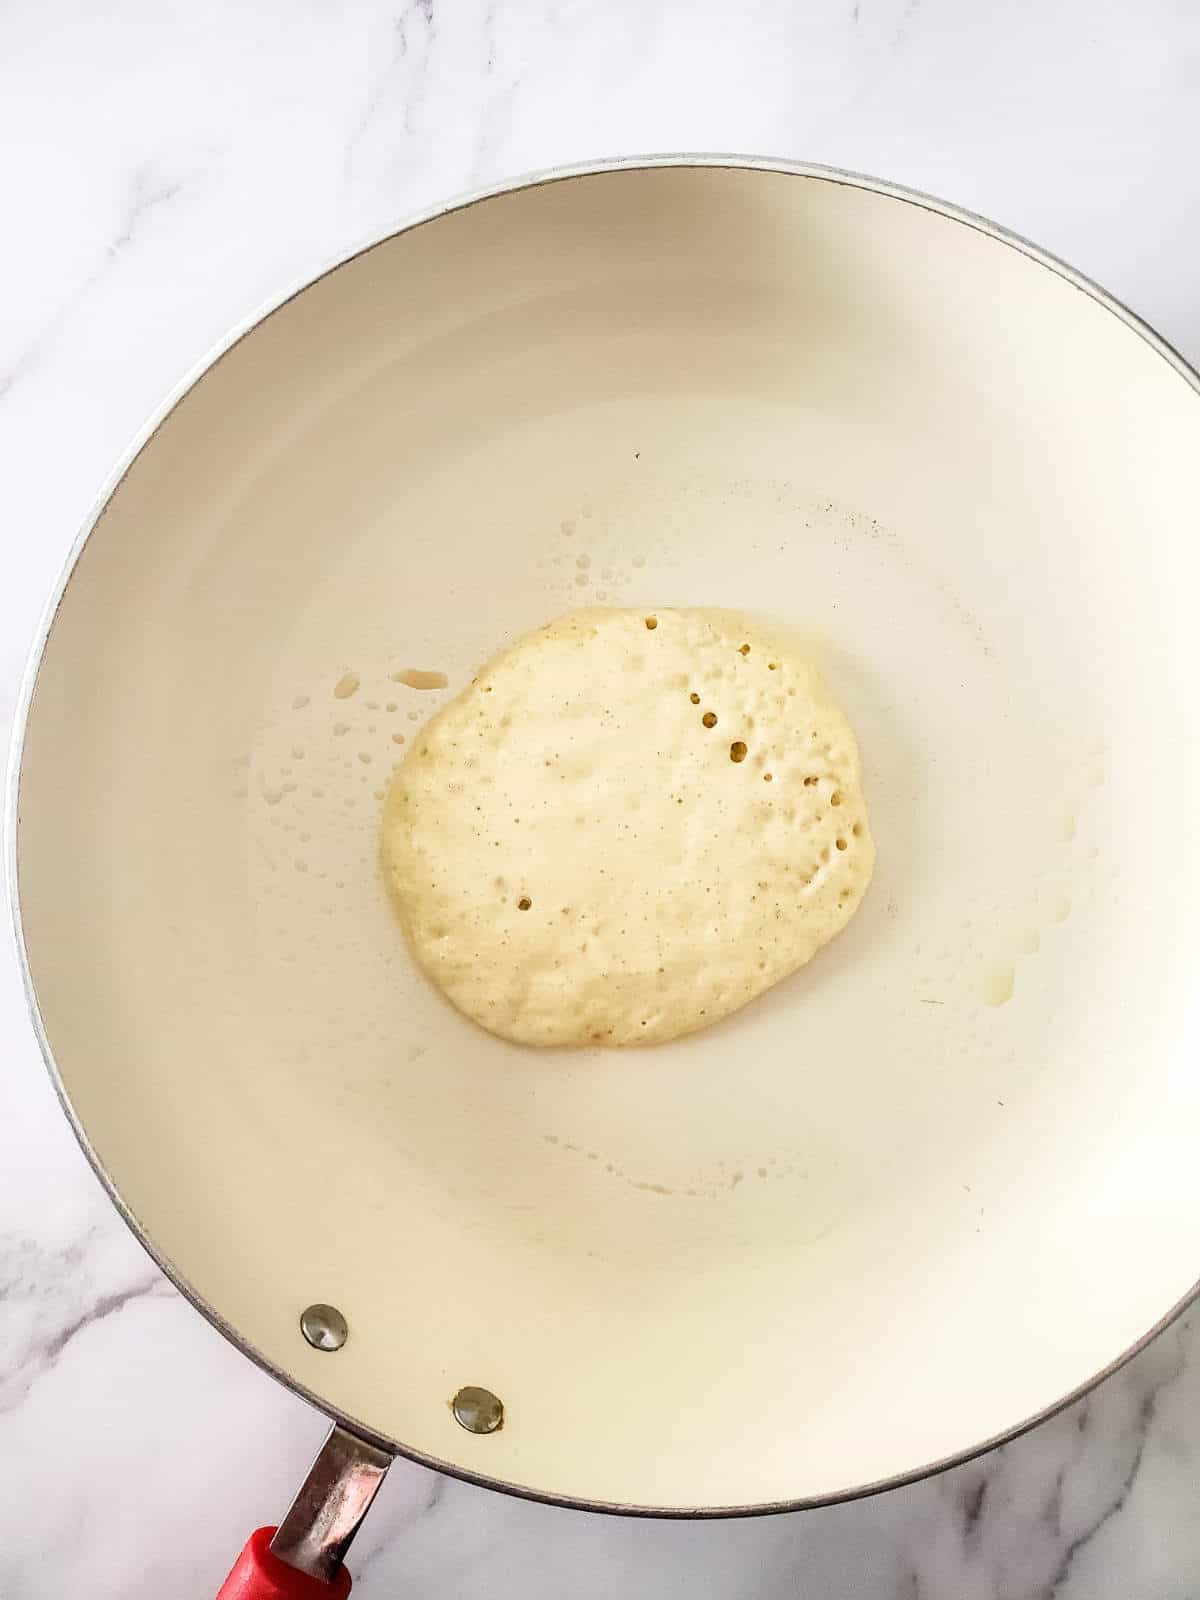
(25, 697)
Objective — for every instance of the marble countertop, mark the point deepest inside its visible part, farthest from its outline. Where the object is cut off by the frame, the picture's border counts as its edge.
(167, 169)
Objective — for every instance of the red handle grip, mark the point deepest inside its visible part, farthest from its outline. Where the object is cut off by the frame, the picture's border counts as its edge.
(259, 1574)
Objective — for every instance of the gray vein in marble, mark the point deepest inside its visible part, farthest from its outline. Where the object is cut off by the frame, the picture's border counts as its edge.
(498, 110)
(433, 1496)
(1146, 1416)
(104, 1305)
(1051, 1515)
(146, 197)
(414, 25)
(971, 1501)
(46, 1285)
(904, 27)
(489, 33)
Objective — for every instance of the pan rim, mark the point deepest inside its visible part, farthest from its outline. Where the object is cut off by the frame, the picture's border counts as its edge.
(462, 202)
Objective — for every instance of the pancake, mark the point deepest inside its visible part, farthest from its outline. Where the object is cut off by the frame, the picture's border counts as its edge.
(627, 827)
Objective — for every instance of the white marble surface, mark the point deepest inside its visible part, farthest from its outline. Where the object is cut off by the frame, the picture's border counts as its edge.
(167, 167)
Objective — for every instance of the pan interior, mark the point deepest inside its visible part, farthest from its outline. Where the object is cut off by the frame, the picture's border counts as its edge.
(917, 1193)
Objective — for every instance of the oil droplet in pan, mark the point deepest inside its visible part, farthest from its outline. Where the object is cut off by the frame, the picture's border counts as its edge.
(996, 988)
(415, 678)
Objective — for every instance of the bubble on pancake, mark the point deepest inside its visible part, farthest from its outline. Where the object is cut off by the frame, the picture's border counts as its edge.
(578, 858)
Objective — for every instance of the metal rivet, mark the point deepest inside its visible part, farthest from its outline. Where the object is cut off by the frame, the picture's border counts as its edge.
(324, 1327)
(477, 1410)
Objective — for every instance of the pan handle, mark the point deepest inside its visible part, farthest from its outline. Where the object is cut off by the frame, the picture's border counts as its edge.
(302, 1558)
(259, 1574)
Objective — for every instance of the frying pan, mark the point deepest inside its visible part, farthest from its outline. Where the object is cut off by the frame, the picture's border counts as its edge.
(909, 1202)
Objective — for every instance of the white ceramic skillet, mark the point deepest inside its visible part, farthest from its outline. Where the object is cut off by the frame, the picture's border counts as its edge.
(910, 1201)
